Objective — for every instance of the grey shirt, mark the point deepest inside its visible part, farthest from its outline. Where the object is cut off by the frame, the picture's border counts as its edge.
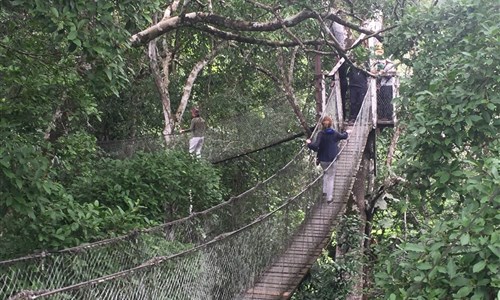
(198, 127)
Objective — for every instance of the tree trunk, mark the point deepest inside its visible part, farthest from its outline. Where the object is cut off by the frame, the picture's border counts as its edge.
(188, 87)
(287, 80)
(60, 121)
(318, 85)
(392, 147)
(162, 84)
(358, 194)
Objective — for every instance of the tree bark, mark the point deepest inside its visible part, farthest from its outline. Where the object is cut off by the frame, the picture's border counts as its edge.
(287, 81)
(60, 120)
(193, 18)
(162, 83)
(188, 86)
(392, 146)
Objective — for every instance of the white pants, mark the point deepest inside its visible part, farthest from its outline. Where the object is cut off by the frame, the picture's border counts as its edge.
(195, 145)
(327, 180)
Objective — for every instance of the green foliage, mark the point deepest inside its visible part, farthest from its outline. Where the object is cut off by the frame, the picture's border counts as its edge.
(59, 60)
(24, 177)
(36, 209)
(457, 256)
(72, 156)
(450, 111)
(75, 197)
(163, 184)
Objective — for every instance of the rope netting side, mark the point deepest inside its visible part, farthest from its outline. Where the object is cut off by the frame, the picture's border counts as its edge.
(220, 269)
(347, 164)
(228, 265)
(253, 129)
(69, 266)
(49, 270)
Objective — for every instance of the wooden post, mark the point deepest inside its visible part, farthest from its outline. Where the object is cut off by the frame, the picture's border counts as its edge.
(372, 87)
(395, 93)
(323, 93)
(318, 85)
(373, 25)
(338, 97)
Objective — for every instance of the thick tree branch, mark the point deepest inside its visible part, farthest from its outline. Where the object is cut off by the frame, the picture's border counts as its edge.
(287, 86)
(315, 51)
(188, 19)
(162, 86)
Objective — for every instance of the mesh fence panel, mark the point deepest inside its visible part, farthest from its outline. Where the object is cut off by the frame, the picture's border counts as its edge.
(227, 266)
(131, 254)
(69, 266)
(386, 91)
(220, 269)
(248, 131)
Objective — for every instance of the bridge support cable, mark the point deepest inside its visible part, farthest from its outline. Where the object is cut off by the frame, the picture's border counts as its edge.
(251, 130)
(287, 139)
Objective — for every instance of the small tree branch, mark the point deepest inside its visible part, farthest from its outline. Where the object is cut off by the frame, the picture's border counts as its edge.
(171, 9)
(375, 34)
(225, 35)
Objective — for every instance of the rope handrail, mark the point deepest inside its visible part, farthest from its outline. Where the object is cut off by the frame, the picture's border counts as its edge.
(23, 272)
(101, 284)
(165, 231)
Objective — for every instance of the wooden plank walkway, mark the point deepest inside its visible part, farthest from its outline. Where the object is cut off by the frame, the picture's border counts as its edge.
(287, 272)
(283, 277)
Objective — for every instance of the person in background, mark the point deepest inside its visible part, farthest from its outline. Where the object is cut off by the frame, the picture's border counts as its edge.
(326, 146)
(197, 128)
(358, 86)
(384, 105)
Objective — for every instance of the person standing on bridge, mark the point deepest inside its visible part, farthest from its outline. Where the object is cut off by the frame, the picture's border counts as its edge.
(358, 86)
(197, 128)
(326, 145)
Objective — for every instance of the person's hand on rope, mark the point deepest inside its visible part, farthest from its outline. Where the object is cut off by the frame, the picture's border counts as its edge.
(308, 141)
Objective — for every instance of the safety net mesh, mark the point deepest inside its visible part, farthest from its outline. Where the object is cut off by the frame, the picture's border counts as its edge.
(219, 269)
(49, 270)
(214, 254)
(248, 131)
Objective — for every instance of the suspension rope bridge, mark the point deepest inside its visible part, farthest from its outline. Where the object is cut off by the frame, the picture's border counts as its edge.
(257, 245)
